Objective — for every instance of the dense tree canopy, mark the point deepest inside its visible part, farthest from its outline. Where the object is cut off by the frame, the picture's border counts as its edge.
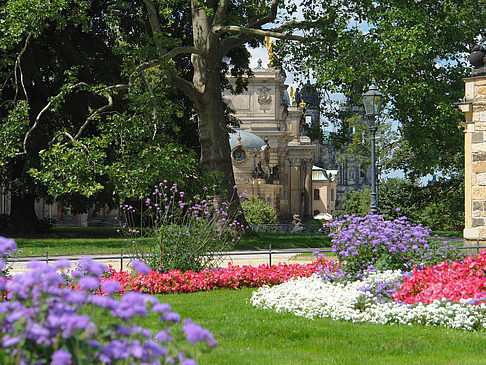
(415, 51)
(95, 95)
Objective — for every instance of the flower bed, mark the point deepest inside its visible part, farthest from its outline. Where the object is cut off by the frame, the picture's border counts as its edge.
(374, 282)
(357, 301)
(452, 280)
(232, 277)
(43, 320)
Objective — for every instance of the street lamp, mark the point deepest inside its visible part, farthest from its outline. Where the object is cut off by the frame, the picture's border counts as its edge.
(373, 103)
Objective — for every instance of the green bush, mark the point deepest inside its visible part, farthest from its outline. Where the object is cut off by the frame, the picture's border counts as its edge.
(313, 223)
(258, 212)
(183, 233)
(438, 205)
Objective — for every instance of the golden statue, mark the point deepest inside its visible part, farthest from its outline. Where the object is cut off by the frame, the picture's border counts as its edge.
(292, 94)
(268, 46)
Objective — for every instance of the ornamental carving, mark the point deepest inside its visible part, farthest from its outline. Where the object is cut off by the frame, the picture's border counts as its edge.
(264, 98)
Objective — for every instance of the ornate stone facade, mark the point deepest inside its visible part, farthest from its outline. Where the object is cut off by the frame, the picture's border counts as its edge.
(279, 169)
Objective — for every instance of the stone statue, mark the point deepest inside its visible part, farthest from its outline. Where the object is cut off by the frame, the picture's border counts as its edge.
(258, 173)
(298, 225)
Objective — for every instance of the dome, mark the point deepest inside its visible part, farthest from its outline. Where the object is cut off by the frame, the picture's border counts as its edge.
(249, 140)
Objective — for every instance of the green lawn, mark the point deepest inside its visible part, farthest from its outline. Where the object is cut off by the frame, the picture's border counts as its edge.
(105, 240)
(252, 336)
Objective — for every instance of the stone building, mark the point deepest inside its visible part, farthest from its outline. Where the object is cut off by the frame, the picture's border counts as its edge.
(272, 157)
(324, 184)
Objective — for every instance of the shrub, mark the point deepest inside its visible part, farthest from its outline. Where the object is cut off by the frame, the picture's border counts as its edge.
(44, 321)
(258, 211)
(373, 243)
(184, 233)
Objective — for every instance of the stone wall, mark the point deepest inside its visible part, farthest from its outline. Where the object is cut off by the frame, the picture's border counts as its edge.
(474, 107)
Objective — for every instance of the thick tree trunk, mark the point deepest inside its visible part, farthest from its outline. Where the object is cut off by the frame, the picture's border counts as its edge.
(22, 216)
(213, 132)
(215, 151)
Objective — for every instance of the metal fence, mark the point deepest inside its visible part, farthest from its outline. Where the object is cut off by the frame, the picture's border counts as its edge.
(285, 228)
(271, 253)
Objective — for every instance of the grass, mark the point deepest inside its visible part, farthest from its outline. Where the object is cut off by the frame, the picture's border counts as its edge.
(252, 336)
(447, 233)
(262, 240)
(105, 240)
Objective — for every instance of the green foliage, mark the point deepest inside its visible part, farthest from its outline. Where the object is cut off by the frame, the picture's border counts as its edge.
(258, 211)
(313, 223)
(357, 202)
(439, 205)
(414, 51)
(184, 234)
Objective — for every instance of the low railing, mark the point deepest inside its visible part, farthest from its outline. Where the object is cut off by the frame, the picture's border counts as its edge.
(270, 252)
(285, 228)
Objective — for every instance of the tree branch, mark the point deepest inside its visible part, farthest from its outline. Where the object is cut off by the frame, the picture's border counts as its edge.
(264, 33)
(61, 134)
(185, 86)
(98, 111)
(220, 13)
(155, 25)
(18, 66)
(267, 19)
(47, 107)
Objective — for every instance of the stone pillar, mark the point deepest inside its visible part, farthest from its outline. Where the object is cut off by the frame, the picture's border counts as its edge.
(474, 107)
(295, 186)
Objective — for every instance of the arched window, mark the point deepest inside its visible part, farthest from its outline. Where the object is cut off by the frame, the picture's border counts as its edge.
(316, 194)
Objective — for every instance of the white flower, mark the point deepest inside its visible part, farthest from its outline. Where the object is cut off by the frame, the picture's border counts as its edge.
(313, 298)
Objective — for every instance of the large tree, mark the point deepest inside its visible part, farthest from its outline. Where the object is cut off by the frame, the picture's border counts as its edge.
(71, 128)
(416, 53)
(155, 44)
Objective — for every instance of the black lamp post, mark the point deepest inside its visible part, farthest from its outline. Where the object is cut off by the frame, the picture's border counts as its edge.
(373, 103)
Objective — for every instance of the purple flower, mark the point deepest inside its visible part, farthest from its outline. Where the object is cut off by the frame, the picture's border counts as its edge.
(140, 267)
(89, 282)
(110, 286)
(61, 357)
(195, 333)
(171, 316)
(161, 307)
(164, 336)
(91, 266)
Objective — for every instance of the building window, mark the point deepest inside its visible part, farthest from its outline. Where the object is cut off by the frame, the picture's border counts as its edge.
(316, 194)
(332, 195)
(239, 154)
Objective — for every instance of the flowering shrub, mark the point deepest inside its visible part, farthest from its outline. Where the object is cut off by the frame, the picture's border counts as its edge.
(44, 321)
(371, 243)
(176, 281)
(183, 233)
(258, 211)
(313, 298)
(10, 251)
(452, 280)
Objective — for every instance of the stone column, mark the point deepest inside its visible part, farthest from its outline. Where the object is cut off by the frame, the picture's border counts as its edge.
(295, 186)
(474, 108)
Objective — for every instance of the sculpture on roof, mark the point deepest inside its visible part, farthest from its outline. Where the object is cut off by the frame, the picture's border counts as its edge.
(268, 46)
